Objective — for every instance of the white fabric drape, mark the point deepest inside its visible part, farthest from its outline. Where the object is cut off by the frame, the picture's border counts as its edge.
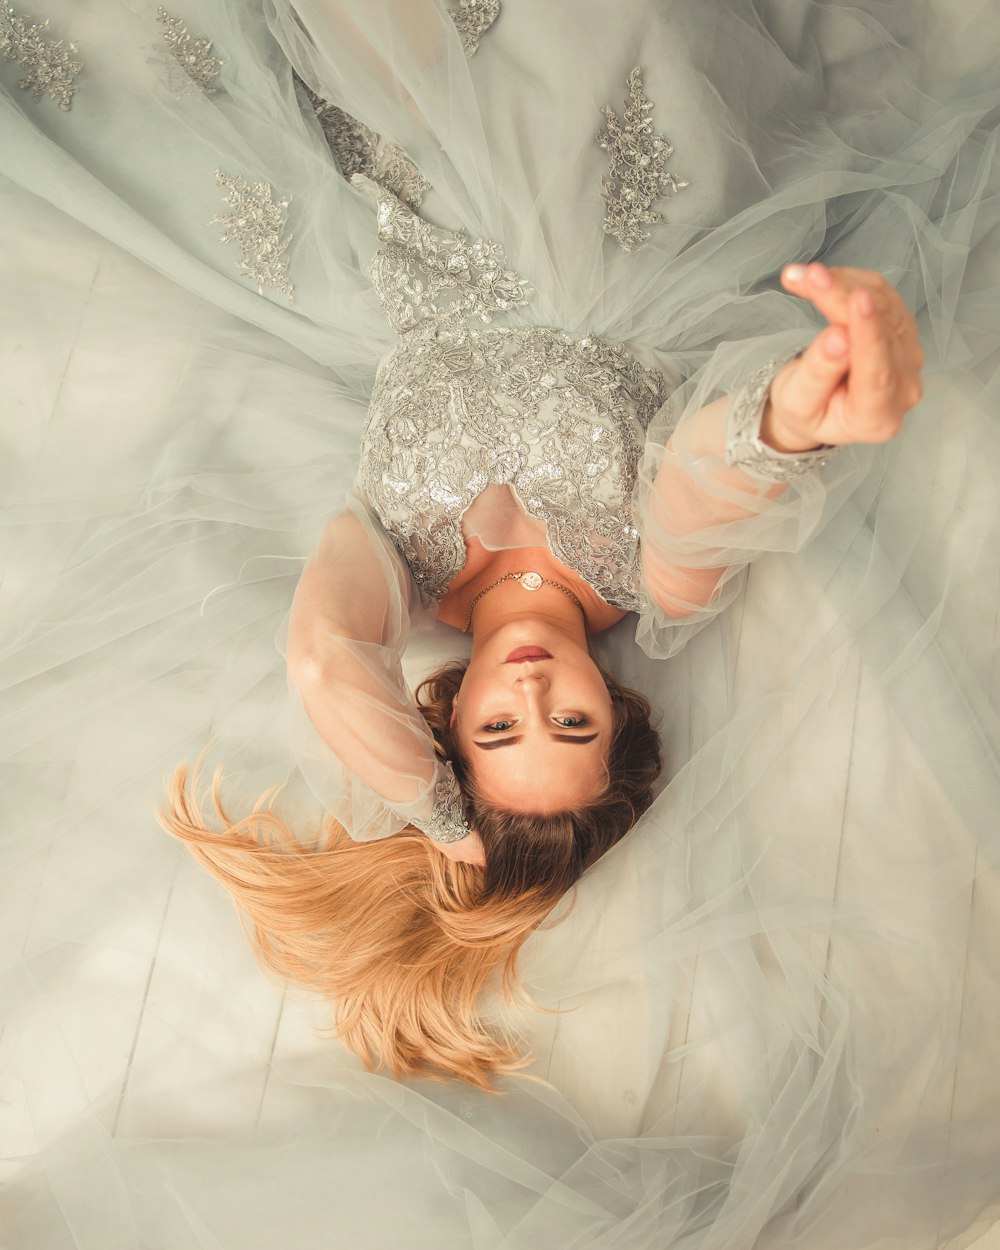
(778, 998)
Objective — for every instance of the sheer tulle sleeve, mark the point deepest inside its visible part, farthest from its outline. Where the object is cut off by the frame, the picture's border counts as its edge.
(357, 734)
(703, 518)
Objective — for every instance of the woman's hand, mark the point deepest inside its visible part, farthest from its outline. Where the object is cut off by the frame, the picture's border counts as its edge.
(859, 376)
(467, 850)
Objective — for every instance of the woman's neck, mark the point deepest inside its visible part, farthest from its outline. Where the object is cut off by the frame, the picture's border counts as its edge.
(483, 567)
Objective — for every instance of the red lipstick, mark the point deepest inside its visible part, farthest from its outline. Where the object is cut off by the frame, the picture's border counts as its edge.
(527, 653)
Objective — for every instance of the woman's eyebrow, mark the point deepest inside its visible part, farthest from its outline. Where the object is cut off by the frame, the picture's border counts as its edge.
(509, 742)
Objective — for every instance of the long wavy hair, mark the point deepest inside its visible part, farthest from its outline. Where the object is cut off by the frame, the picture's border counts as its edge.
(406, 943)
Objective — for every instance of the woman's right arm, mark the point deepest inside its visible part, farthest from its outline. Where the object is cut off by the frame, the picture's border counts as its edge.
(707, 516)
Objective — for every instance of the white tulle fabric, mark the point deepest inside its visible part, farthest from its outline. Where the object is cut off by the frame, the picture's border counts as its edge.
(357, 735)
(777, 1000)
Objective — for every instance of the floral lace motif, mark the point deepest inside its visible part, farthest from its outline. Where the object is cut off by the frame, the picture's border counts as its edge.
(191, 67)
(256, 223)
(744, 449)
(418, 264)
(447, 822)
(357, 149)
(559, 419)
(637, 178)
(472, 19)
(48, 66)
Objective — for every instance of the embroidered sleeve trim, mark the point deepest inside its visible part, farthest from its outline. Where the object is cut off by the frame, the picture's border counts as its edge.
(744, 448)
(447, 822)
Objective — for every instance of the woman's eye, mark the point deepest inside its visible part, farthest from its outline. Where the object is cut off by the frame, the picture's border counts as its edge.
(498, 726)
(571, 722)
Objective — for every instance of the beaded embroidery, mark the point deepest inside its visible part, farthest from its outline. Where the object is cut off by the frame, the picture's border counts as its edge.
(472, 19)
(447, 822)
(359, 150)
(256, 223)
(561, 420)
(188, 59)
(744, 448)
(637, 177)
(418, 264)
(48, 66)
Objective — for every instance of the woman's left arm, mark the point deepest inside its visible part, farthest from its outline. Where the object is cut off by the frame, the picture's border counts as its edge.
(853, 384)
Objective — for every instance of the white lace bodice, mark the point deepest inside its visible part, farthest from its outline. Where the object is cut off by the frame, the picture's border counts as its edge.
(560, 420)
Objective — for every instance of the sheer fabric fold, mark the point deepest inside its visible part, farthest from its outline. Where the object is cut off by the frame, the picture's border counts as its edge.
(357, 734)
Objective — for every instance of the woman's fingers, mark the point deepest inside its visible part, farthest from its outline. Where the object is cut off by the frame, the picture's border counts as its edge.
(830, 289)
(884, 355)
(876, 379)
(801, 394)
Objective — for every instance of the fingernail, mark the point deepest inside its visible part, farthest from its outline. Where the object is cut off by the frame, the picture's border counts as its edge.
(821, 276)
(795, 273)
(866, 303)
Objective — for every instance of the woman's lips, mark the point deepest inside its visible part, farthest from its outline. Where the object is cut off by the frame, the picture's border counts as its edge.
(527, 653)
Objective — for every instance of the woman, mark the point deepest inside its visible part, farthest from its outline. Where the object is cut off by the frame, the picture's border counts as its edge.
(554, 760)
(770, 1007)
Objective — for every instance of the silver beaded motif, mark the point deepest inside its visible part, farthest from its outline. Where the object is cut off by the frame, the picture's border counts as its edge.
(472, 19)
(418, 264)
(48, 66)
(188, 59)
(357, 149)
(447, 822)
(744, 448)
(560, 420)
(256, 223)
(637, 177)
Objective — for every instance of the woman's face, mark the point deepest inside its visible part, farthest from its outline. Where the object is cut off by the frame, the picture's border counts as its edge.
(533, 718)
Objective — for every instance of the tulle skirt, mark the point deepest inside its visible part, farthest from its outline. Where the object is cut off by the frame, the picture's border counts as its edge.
(768, 1017)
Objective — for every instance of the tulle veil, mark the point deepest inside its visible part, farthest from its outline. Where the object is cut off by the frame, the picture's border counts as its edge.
(776, 1002)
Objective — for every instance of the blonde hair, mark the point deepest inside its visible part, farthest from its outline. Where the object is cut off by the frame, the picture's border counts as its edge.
(405, 942)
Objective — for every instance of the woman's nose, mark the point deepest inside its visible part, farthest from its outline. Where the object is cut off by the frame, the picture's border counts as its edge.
(531, 681)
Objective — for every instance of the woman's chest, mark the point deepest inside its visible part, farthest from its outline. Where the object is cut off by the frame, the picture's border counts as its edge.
(492, 553)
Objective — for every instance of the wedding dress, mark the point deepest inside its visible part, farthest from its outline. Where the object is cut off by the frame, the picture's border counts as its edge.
(771, 1011)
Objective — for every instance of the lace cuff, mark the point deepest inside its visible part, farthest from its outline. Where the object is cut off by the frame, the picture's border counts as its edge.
(744, 448)
(447, 822)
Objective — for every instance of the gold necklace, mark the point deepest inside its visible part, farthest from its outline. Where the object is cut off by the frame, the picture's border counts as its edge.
(527, 581)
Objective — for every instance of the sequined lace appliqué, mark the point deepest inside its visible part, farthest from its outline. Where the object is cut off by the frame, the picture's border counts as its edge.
(190, 65)
(638, 177)
(359, 150)
(256, 222)
(447, 822)
(49, 66)
(559, 419)
(423, 273)
(472, 19)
